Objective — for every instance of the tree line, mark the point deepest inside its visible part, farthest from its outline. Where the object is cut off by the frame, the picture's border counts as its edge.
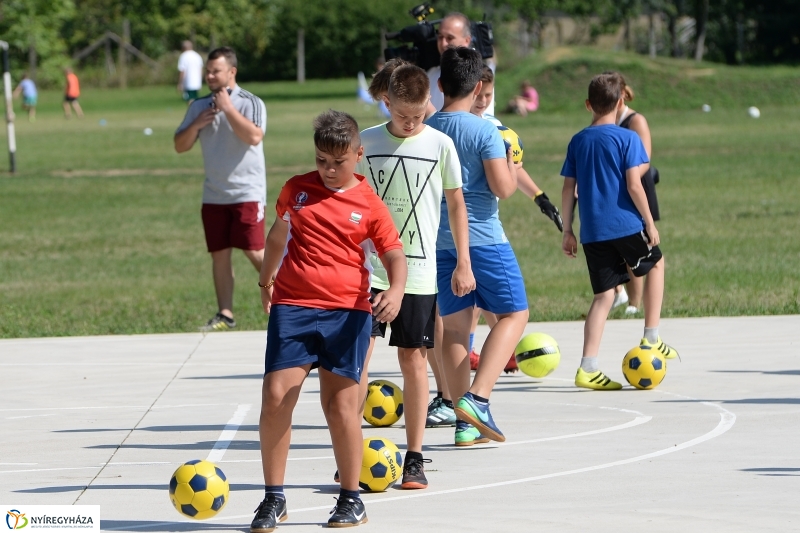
(343, 37)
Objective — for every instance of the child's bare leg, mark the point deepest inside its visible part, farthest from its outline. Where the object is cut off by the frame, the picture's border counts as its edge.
(77, 107)
(455, 341)
(654, 295)
(596, 322)
(340, 403)
(279, 394)
(435, 362)
(635, 290)
(414, 365)
(501, 341)
(489, 317)
(67, 110)
(364, 383)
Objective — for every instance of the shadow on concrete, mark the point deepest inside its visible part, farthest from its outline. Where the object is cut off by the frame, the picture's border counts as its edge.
(173, 429)
(235, 487)
(753, 401)
(765, 372)
(773, 471)
(251, 445)
(152, 525)
(239, 376)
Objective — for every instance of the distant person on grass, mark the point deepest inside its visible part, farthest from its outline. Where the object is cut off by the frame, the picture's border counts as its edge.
(190, 67)
(316, 288)
(71, 94)
(526, 102)
(27, 88)
(230, 124)
(606, 163)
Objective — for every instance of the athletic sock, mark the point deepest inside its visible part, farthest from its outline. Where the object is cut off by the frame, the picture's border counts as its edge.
(277, 490)
(471, 341)
(651, 334)
(448, 403)
(349, 494)
(412, 455)
(589, 364)
(480, 399)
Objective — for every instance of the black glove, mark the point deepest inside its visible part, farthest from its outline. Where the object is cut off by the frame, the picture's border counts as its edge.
(550, 210)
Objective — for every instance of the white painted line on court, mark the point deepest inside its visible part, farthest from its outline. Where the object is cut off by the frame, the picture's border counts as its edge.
(18, 464)
(228, 434)
(27, 416)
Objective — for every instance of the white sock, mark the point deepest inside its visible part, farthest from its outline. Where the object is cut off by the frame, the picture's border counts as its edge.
(589, 364)
(651, 334)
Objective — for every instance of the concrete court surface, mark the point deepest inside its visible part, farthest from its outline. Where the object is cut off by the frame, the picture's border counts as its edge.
(106, 420)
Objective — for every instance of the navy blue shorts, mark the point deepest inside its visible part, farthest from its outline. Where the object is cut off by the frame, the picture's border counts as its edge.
(337, 340)
(500, 288)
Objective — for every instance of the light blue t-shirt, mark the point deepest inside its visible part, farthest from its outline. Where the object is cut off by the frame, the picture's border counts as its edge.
(476, 140)
(598, 157)
(28, 88)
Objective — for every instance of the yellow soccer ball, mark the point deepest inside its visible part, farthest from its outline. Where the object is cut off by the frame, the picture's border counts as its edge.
(512, 139)
(198, 489)
(381, 466)
(537, 354)
(644, 367)
(384, 404)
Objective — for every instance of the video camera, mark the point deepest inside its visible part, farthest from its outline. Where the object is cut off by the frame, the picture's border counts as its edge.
(421, 38)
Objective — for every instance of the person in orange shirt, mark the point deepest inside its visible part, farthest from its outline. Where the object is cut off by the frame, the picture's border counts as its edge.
(71, 95)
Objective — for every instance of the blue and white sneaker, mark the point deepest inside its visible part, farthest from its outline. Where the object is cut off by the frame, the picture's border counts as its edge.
(477, 414)
(439, 415)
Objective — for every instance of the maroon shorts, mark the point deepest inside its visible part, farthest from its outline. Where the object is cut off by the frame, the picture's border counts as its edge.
(234, 226)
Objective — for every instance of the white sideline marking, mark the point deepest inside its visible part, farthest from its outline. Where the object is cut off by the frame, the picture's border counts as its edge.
(228, 434)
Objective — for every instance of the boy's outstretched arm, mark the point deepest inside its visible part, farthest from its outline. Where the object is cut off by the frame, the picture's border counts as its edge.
(569, 244)
(273, 254)
(633, 177)
(528, 187)
(386, 304)
(463, 281)
(501, 175)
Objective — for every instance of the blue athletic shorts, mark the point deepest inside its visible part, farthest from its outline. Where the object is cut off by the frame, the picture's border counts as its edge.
(500, 288)
(337, 340)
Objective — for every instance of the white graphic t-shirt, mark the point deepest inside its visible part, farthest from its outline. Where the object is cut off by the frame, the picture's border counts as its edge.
(410, 176)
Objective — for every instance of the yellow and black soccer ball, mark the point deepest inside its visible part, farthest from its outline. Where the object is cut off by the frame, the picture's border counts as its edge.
(384, 404)
(512, 140)
(198, 489)
(381, 465)
(537, 354)
(644, 367)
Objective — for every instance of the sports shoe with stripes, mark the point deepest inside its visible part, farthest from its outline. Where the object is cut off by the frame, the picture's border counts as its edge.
(440, 415)
(666, 350)
(595, 380)
(219, 322)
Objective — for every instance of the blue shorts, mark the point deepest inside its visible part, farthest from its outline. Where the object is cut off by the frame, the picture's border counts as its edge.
(337, 340)
(500, 288)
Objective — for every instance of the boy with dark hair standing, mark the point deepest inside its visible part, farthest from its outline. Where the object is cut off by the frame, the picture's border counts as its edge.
(488, 173)
(605, 163)
(317, 295)
(410, 165)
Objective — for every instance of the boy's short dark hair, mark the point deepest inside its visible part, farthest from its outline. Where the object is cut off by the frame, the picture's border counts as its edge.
(336, 132)
(461, 69)
(224, 51)
(487, 76)
(410, 85)
(605, 90)
(380, 81)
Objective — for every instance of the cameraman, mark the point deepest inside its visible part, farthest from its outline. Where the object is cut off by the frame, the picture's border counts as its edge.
(454, 30)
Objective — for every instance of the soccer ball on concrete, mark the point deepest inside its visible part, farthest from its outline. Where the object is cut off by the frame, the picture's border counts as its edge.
(198, 489)
(644, 367)
(381, 466)
(537, 354)
(384, 404)
(512, 141)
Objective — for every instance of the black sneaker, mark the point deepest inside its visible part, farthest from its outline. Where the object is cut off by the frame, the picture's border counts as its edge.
(414, 474)
(336, 477)
(219, 322)
(269, 512)
(348, 512)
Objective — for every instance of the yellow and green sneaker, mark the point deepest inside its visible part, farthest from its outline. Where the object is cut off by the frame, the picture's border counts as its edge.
(595, 380)
(666, 350)
(467, 435)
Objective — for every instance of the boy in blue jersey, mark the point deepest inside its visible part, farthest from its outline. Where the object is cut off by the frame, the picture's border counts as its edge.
(488, 173)
(606, 163)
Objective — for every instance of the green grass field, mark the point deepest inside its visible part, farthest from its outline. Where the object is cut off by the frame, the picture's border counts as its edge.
(101, 230)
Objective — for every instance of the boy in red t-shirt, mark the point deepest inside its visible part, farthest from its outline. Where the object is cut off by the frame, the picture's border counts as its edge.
(317, 294)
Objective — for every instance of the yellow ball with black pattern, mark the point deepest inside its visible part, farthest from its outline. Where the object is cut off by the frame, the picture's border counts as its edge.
(512, 140)
(384, 404)
(537, 354)
(381, 465)
(199, 489)
(644, 367)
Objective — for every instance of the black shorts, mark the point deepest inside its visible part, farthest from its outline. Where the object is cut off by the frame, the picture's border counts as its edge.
(607, 260)
(649, 185)
(413, 327)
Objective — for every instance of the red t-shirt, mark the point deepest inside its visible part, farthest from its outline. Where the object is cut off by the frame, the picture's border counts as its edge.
(324, 265)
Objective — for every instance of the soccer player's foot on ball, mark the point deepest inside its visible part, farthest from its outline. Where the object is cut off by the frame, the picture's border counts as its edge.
(511, 366)
(474, 360)
(219, 322)
(666, 350)
(348, 512)
(467, 435)
(269, 513)
(595, 380)
(414, 474)
(477, 413)
(440, 415)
